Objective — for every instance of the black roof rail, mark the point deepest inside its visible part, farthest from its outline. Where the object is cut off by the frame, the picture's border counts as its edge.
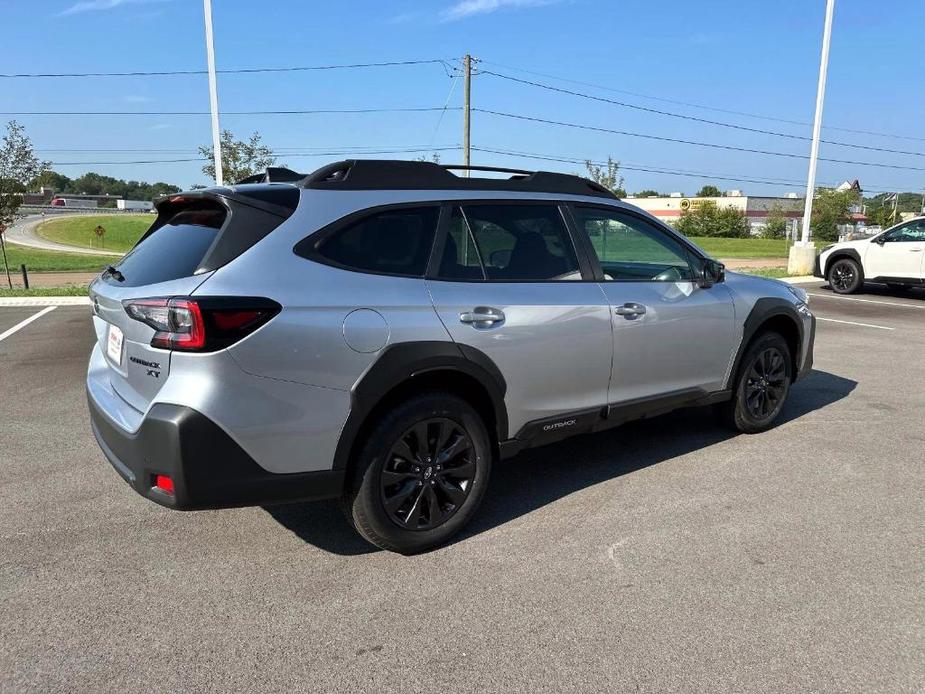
(274, 174)
(394, 174)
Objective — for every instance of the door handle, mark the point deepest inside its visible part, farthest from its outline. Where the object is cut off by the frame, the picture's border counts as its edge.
(482, 317)
(915, 250)
(630, 310)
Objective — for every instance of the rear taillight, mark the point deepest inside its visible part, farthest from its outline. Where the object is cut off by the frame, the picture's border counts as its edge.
(201, 325)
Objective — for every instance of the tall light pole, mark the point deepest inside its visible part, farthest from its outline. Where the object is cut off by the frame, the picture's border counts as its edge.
(467, 93)
(802, 255)
(213, 94)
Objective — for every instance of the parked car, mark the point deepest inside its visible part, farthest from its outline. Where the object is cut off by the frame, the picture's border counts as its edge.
(385, 332)
(895, 257)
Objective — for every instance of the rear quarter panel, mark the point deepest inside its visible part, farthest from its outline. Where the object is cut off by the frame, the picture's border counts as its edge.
(306, 342)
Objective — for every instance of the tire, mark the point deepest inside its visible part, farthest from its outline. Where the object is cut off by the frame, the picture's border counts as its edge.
(401, 497)
(767, 357)
(845, 276)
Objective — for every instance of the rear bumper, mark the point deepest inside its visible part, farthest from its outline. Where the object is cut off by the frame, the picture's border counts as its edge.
(208, 469)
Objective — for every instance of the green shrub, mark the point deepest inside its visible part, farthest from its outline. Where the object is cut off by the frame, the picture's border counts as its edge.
(709, 220)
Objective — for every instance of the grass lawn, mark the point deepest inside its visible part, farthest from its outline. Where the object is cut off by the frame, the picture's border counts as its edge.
(775, 272)
(44, 291)
(122, 231)
(37, 260)
(743, 248)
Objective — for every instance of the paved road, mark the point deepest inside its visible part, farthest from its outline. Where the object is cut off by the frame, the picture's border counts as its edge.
(22, 232)
(664, 556)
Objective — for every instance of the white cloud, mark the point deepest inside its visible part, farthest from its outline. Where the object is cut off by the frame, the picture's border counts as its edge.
(100, 5)
(469, 8)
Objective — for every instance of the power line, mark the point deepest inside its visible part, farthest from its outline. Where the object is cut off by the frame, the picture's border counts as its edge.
(331, 153)
(696, 119)
(446, 63)
(712, 145)
(276, 150)
(292, 112)
(651, 168)
(703, 106)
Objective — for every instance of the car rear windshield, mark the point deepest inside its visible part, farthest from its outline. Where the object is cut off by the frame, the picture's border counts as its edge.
(175, 247)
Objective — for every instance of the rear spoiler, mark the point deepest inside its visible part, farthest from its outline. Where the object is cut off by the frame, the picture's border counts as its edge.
(274, 174)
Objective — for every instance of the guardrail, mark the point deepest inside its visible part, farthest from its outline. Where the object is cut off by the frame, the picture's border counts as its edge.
(26, 210)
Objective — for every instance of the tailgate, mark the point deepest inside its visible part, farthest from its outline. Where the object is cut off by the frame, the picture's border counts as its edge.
(137, 370)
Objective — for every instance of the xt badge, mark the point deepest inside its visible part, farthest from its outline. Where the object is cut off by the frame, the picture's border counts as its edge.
(153, 367)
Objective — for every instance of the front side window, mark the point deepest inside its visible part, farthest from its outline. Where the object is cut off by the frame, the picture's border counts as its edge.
(508, 243)
(909, 233)
(391, 242)
(632, 250)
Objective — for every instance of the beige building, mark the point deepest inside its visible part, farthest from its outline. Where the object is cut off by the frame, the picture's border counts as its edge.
(755, 208)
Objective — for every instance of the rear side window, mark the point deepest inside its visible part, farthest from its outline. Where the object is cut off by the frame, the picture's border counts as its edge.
(389, 242)
(508, 243)
(175, 248)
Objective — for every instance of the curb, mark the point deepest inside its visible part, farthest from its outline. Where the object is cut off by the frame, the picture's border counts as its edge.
(44, 301)
(801, 279)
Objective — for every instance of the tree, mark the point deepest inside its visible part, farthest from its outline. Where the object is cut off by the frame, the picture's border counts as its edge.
(830, 209)
(50, 179)
(608, 177)
(707, 219)
(434, 158)
(96, 184)
(649, 194)
(709, 191)
(776, 225)
(18, 166)
(882, 216)
(907, 202)
(240, 158)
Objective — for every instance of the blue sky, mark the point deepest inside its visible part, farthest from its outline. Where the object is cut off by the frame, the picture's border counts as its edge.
(749, 57)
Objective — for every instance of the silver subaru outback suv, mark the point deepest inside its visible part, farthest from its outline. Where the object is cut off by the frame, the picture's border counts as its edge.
(384, 332)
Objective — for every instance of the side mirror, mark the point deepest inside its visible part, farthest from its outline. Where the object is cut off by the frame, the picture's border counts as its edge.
(880, 240)
(713, 272)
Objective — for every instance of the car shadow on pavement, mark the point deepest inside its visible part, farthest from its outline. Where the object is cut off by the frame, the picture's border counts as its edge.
(540, 476)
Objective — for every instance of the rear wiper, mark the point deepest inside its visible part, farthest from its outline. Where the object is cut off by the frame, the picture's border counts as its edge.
(111, 271)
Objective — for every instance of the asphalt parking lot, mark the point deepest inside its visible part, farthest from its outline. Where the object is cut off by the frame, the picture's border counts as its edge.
(668, 555)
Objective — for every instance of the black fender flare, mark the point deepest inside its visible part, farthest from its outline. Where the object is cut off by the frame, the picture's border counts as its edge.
(837, 254)
(764, 310)
(402, 362)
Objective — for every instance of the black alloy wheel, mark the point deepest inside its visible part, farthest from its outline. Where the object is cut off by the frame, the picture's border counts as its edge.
(844, 276)
(761, 385)
(766, 384)
(428, 474)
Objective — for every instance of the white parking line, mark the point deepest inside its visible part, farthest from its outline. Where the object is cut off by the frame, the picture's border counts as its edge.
(22, 324)
(868, 301)
(849, 322)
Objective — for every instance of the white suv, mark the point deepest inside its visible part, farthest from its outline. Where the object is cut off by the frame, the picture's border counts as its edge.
(895, 258)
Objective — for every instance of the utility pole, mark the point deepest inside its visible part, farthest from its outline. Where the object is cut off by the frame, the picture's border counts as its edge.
(467, 88)
(895, 205)
(802, 255)
(213, 94)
